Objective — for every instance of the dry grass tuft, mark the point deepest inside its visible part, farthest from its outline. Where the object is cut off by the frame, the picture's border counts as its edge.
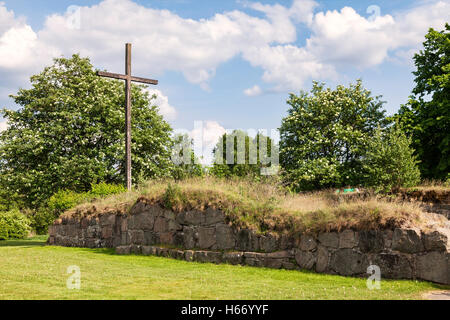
(266, 207)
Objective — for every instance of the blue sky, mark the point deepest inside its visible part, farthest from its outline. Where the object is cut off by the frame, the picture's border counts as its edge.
(228, 63)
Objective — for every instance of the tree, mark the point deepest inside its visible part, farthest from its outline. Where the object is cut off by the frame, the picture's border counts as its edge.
(187, 165)
(237, 154)
(325, 135)
(426, 117)
(390, 163)
(69, 134)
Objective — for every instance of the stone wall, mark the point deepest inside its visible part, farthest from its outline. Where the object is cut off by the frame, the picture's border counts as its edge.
(208, 237)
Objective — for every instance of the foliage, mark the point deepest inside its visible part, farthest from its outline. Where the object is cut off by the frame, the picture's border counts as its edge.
(69, 134)
(237, 154)
(13, 225)
(187, 165)
(428, 120)
(390, 162)
(325, 135)
(64, 200)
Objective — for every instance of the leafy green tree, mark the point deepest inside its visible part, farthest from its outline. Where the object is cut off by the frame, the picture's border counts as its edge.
(237, 154)
(325, 136)
(426, 117)
(69, 134)
(390, 163)
(187, 165)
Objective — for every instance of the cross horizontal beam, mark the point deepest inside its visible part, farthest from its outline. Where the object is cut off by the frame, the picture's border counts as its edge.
(125, 77)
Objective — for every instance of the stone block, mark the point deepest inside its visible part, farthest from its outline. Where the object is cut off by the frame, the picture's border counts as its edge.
(233, 258)
(225, 237)
(208, 256)
(167, 238)
(136, 237)
(407, 240)
(244, 240)
(161, 225)
(123, 250)
(307, 243)
(212, 217)
(437, 240)
(348, 262)
(348, 239)
(268, 243)
(189, 255)
(188, 238)
(371, 241)
(434, 266)
(323, 259)
(305, 259)
(329, 239)
(394, 265)
(206, 237)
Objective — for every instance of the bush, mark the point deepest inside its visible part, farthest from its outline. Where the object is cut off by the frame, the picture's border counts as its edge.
(13, 225)
(64, 200)
(390, 162)
(103, 189)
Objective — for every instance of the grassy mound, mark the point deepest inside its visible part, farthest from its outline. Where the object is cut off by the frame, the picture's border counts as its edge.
(266, 207)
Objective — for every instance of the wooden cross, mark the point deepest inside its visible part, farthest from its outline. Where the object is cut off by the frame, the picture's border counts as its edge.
(128, 79)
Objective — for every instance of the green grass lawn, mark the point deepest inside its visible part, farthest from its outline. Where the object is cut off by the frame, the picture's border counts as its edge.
(31, 270)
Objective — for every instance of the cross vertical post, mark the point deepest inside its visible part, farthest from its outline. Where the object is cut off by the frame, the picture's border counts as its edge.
(128, 114)
(128, 79)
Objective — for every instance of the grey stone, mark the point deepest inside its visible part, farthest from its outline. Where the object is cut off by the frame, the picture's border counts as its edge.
(233, 258)
(174, 226)
(212, 216)
(123, 250)
(407, 240)
(108, 220)
(305, 259)
(208, 256)
(188, 238)
(273, 263)
(225, 237)
(193, 217)
(162, 252)
(434, 266)
(254, 262)
(307, 243)
(107, 232)
(161, 225)
(206, 237)
(437, 240)
(329, 239)
(151, 238)
(394, 265)
(268, 243)
(371, 241)
(138, 207)
(387, 238)
(244, 240)
(288, 265)
(348, 239)
(144, 221)
(136, 237)
(322, 259)
(280, 255)
(148, 250)
(286, 242)
(348, 262)
(176, 254)
(167, 238)
(136, 249)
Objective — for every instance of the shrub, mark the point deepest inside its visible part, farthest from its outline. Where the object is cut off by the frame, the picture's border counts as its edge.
(390, 162)
(13, 225)
(103, 189)
(41, 219)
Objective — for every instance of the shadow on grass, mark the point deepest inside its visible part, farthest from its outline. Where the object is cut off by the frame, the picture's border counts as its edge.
(22, 243)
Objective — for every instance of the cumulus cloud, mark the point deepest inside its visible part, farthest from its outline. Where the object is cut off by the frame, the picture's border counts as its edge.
(162, 101)
(164, 41)
(206, 134)
(253, 91)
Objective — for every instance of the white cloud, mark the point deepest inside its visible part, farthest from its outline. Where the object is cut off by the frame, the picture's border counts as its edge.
(162, 101)
(164, 41)
(206, 134)
(253, 91)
